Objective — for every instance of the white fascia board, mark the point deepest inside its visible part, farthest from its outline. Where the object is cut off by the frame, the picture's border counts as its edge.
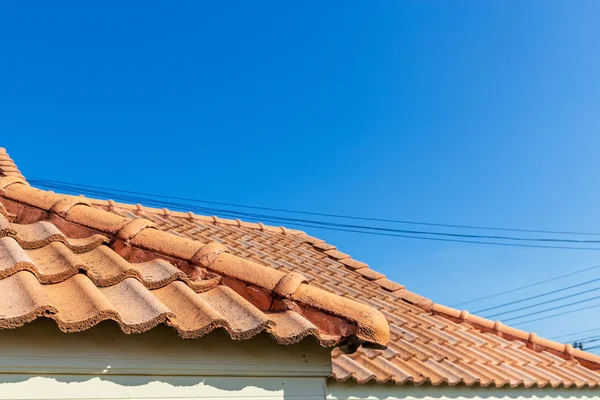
(40, 348)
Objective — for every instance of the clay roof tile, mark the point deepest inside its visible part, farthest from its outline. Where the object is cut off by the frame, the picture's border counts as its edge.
(370, 327)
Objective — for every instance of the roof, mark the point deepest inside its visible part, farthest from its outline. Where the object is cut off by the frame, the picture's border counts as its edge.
(429, 343)
(64, 259)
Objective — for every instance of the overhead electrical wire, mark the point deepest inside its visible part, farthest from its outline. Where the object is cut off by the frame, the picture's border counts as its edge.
(588, 339)
(542, 303)
(381, 231)
(311, 224)
(538, 296)
(583, 341)
(556, 315)
(594, 340)
(574, 334)
(593, 348)
(445, 234)
(552, 308)
(497, 294)
(59, 183)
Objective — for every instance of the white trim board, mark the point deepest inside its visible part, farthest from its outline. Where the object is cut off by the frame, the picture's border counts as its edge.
(40, 348)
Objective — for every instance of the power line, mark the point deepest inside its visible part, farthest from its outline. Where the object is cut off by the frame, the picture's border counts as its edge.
(573, 334)
(589, 339)
(289, 221)
(584, 343)
(447, 240)
(414, 232)
(59, 183)
(543, 303)
(552, 308)
(537, 296)
(527, 286)
(556, 315)
(321, 224)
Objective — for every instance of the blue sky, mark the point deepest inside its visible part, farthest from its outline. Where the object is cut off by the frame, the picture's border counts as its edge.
(478, 113)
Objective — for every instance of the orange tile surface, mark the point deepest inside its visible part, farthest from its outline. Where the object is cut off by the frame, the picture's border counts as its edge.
(426, 346)
(64, 259)
(80, 282)
(428, 343)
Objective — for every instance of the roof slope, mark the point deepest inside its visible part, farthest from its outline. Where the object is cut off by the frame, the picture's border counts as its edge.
(429, 343)
(64, 259)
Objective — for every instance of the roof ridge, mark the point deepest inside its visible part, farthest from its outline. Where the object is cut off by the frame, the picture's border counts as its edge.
(531, 339)
(285, 291)
(9, 168)
(110, 204)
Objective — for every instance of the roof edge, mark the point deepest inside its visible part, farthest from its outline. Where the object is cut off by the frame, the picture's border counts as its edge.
(531, 339)
(165, 212)
(444, 383)
(371, 327)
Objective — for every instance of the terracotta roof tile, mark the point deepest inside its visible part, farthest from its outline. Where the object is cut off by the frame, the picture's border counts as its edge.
(369, 325)
(78, 290)
(431, 343)
(387, 370)
(543, 376)
(347, 367)
(459, 349)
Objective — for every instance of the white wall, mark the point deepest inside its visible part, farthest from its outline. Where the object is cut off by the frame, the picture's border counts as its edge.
(159, 387)
(39, 362)
(353, 391)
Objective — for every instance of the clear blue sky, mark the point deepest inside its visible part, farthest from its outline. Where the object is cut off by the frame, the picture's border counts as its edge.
(482, 113)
